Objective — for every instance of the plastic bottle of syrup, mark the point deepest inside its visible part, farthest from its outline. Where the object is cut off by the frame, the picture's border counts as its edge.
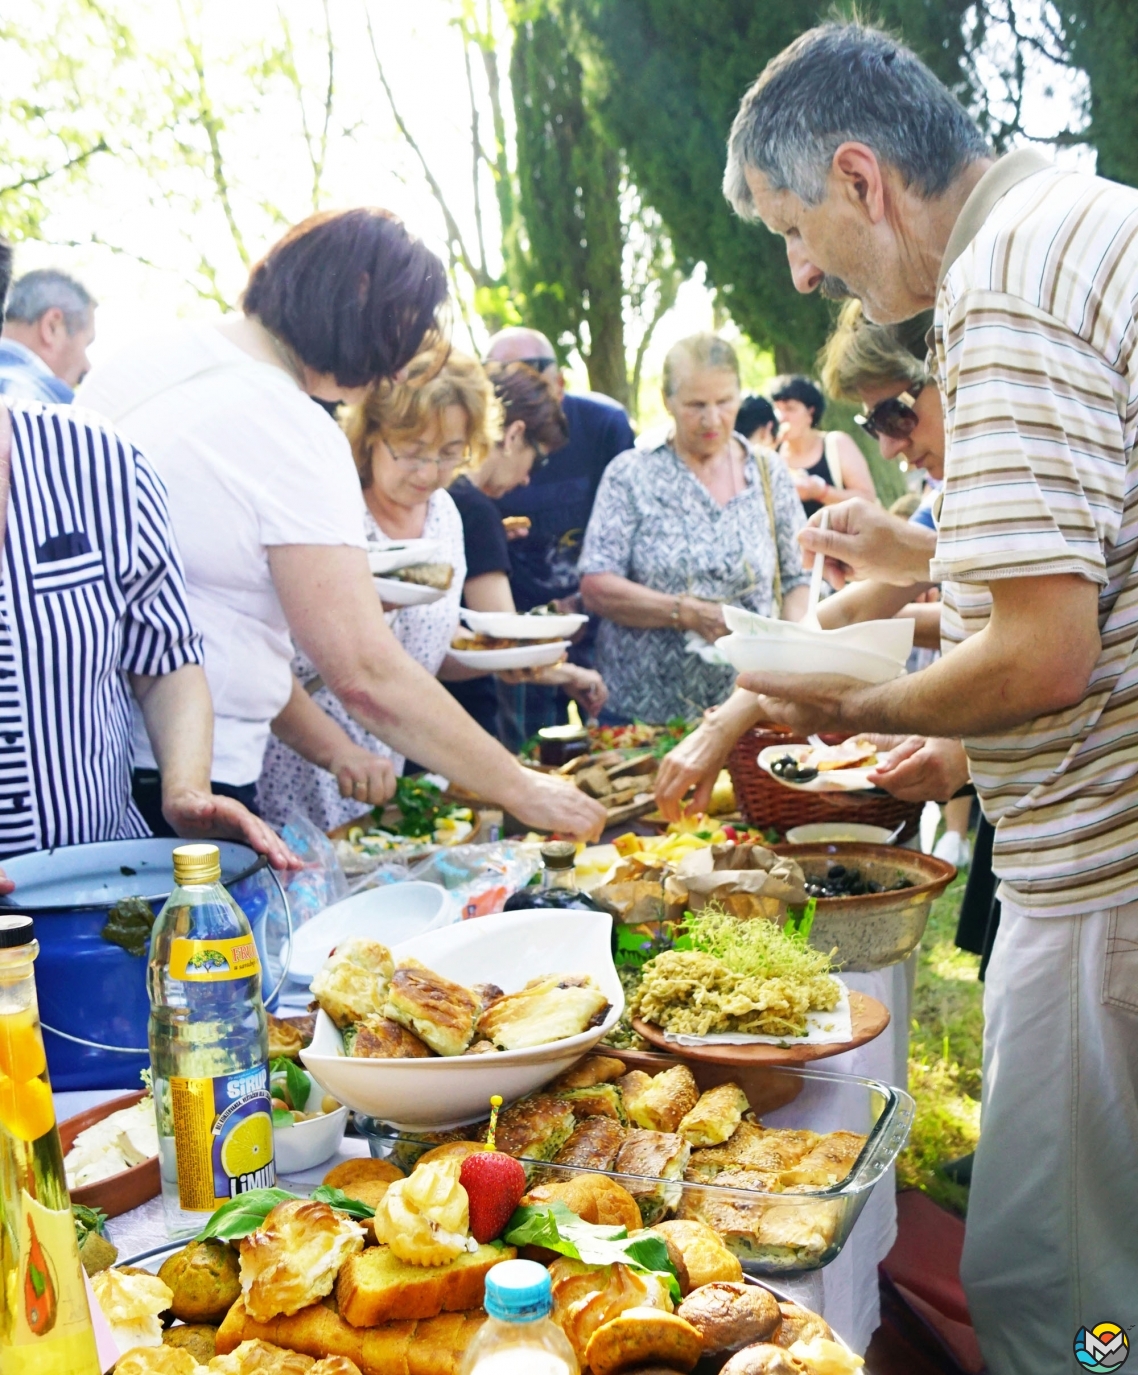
(45, 1324)
(209, 1046)
(558, 882)
(520, 1337)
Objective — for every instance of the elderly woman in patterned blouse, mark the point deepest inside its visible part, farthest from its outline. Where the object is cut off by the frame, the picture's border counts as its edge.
(677, 531)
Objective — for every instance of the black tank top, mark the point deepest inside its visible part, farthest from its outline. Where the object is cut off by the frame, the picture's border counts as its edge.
(820, 469)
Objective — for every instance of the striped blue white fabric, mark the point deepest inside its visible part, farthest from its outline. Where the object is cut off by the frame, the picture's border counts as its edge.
(92, 590)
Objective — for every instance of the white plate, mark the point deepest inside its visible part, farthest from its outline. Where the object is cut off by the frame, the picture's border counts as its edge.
(832, 781)
(386, 558)
(522, 656)
(508, 949)
(760, 654)
(508, 625)
(892, 638)
(837, 833)
(390, 914)
(394, 592)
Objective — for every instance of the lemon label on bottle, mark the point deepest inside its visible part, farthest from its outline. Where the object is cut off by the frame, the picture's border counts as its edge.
(212, 961)
(223, 1137)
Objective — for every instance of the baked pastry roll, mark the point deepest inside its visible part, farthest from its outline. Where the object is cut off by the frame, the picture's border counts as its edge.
(735, 1221)
(704, 1256)
(593, 1069)
(439, 1012)
(535, 1128)
(293, 1258)
(486, 994)
(661, 1158)
(350, 1172)
(285, 1039)
(798, 1231)
(827, 1163)
(547, 1009)
(714, 1118)
(353, 983)
(640, 1336)
(594, 1198)
(799, 1325)
(379, 1038)
(754, 1148)
(729, 1316)
(376, 1286)
(594, 1145)
(602, 1100)
(661, 1103)
(585, 1297)
(762, 1359)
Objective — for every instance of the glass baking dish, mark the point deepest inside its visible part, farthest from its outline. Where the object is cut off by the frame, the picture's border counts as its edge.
(771, 1233)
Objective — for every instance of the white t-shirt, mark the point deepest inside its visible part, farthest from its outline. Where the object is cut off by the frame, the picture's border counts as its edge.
(249, 461)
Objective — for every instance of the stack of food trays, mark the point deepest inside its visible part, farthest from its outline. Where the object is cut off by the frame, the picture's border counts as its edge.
(796, 1151)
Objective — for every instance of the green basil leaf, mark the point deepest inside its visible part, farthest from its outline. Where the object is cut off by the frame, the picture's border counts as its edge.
(652, 1253)
(337, 1198)
(282, 1118)
(532, 1226)
(297, 1083)
(87, 1220)
(559, 1229)
(243, 1214)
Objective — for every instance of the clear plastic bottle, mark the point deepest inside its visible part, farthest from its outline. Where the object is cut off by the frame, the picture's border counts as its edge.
(209, 1046)
(45, 1324)
(520, 1338)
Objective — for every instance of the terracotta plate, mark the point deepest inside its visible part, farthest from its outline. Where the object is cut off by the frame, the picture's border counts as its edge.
(121, 1192)
(869, 1018)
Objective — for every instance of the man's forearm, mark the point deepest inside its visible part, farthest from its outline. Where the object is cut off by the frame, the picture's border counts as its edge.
(178, 712)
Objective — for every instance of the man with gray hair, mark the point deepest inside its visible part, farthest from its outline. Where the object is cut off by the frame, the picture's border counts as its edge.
(48, 329)
(883, 188)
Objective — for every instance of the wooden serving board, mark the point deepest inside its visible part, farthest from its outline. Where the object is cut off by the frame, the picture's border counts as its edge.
(868, 1016)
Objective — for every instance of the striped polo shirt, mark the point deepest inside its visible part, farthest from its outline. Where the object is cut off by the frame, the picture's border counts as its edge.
(1036, 341)
(91, 590)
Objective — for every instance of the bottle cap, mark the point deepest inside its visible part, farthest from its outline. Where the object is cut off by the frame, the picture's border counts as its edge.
(16, 931)
(197, 864)
(559, 854)
(518, 1291)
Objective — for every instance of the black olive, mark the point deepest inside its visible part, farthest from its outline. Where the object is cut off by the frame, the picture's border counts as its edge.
(873, 886)
(836, 871)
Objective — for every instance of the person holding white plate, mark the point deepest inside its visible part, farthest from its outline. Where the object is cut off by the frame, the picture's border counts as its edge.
(533, 425)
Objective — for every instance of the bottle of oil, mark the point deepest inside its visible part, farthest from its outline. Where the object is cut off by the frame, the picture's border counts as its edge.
(209, 1046)
(45, 1324)
(558, 882)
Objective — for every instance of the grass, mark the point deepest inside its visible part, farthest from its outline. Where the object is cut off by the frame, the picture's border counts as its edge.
(944, 1057)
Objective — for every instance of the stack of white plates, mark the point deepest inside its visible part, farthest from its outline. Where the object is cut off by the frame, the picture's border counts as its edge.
(384, 559)
(872, 651)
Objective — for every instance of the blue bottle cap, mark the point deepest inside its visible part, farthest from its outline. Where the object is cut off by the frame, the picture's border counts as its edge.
(518, 1291)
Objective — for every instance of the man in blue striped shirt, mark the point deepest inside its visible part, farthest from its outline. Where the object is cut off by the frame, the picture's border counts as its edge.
(93, 609)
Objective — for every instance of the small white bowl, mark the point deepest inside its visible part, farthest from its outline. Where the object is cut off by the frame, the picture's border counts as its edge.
(507, 949)
(759, 654)
(838, 832)
(892, 638)
(388, 558)
(393, 592)
(507, 625)
(520, 656)
(390, 914)
(306, 1144)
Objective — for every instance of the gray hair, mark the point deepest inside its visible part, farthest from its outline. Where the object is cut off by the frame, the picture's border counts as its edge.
(47, 289)
(701, 351)
(839, 83)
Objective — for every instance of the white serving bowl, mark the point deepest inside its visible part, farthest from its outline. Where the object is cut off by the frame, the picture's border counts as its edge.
(520, 656)
(507, 949)
(838, 832)
(306, 1144)
(388, 558)
(390, 914)
(509, 625)
(760, 654)
(892, 638)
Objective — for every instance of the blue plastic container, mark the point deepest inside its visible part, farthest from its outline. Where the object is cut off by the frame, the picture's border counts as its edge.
(92, 993)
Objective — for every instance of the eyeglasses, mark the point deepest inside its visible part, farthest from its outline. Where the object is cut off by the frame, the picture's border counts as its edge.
(895, 417)
(418, 463)
(538, 364)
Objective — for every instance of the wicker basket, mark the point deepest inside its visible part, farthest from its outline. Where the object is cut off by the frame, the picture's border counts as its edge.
(766, 802)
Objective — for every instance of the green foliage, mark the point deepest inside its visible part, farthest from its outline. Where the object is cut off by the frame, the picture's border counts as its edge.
(1102, 38)
(666, 78)
(568, 184)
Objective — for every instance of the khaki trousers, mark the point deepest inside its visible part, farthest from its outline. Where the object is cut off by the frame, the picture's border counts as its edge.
(1052, 1237)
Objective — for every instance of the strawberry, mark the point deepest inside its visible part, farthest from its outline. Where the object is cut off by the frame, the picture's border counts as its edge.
(494, 1183)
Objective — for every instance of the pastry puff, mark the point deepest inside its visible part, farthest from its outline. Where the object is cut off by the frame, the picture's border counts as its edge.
(432, 1346)
(714, 1118)
(659, 1104)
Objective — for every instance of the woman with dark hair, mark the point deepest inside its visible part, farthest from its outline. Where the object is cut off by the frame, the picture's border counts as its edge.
(827, 466)
(533, 425)
(266, 504)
